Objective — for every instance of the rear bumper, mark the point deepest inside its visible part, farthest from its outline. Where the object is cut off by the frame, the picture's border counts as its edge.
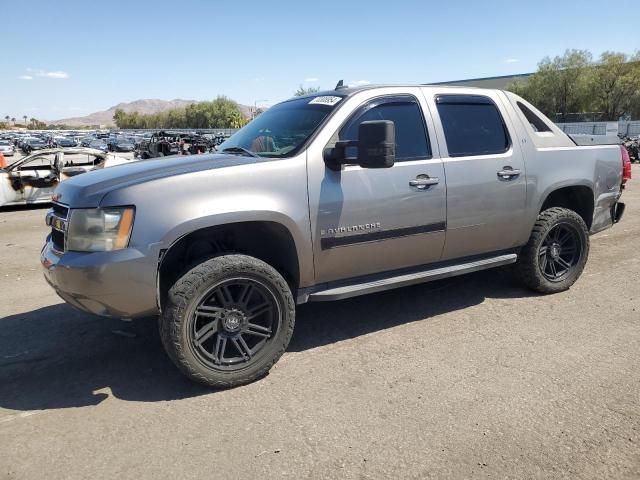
(617, 211)
(110, 284)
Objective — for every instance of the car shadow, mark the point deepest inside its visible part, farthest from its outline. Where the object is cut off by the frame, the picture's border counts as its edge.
(25, 207)
(58, 357)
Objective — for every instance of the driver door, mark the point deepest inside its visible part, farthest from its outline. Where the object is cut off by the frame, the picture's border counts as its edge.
(366, 221)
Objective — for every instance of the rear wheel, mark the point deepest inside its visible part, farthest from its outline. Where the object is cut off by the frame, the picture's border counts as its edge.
(556, 253)
(228, 320)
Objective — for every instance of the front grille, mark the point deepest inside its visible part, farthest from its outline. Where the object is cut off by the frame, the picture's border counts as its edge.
(60, 210)
(58, 229)
(57, 238)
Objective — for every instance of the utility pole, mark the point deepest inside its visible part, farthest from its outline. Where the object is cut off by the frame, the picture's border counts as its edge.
(255, 107)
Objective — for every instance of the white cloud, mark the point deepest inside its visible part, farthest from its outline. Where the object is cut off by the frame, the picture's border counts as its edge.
(512, 60)
(356, 83)
(56, 74)
(311, 79)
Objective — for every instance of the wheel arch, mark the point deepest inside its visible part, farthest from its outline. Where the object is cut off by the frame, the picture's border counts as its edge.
(256, 238)
(576, 197)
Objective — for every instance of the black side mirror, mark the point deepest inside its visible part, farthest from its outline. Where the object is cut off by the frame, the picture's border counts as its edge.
(377, 144)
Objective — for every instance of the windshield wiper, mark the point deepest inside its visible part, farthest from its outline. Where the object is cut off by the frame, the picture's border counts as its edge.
(239, 150)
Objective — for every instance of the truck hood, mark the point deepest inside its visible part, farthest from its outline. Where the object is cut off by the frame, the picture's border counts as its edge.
(87, 190)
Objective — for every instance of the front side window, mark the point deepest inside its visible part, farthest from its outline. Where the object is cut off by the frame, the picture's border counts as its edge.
(411, 135)
(472, 125)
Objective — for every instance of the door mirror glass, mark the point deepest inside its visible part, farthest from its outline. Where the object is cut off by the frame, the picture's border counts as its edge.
(376, 144)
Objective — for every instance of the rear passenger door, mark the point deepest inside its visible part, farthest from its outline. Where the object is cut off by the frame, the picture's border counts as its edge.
(485, 171)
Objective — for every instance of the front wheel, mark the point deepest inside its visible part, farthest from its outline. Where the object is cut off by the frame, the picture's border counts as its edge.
(228, 320)
(556, 253)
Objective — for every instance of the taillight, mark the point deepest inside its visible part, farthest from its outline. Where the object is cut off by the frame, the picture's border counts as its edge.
(626, 164)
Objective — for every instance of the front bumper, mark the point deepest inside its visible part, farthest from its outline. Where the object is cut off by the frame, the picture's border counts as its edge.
(121, 283)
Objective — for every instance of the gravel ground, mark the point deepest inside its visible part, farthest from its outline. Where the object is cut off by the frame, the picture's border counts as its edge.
(469, 377)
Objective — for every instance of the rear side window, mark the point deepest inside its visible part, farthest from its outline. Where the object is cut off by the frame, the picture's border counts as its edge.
(535, 121)
(411, 135)
(472, 125)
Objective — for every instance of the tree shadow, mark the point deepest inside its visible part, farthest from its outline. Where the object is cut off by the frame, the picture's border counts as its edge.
(58, 357)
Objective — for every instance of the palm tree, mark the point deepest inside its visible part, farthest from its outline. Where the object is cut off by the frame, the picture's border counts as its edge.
(7, 118)
(25, 119)
(13, 119)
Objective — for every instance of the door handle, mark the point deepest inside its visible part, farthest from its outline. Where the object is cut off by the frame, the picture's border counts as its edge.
(422, 182)
(507, 173)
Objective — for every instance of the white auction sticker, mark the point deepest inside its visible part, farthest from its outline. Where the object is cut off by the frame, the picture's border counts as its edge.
(327, 100)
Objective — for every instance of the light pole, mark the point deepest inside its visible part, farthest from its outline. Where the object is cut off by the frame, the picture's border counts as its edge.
(255, 107)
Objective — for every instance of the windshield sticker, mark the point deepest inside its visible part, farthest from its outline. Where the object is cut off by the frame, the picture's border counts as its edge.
(327, 100)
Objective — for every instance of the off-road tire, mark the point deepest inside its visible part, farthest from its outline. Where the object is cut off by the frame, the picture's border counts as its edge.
(181, 300)
(528, 269)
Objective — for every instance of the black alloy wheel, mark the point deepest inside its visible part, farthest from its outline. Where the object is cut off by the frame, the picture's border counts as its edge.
(560, 252)
(556, 253)
(227, 320)
(233, 322)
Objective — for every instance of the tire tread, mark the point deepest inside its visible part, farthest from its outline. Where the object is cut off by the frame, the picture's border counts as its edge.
(180, 296)
(526, 268)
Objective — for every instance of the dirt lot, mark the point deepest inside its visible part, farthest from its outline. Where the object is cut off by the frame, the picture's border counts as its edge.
(470, 377)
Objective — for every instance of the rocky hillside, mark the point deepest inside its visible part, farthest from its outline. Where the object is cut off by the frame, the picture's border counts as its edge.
(146, 106)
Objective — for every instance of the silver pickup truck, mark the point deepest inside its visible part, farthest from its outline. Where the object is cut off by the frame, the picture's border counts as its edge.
(325, 197)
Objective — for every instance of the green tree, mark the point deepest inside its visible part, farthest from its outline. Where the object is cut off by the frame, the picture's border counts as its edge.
(573, 83)
(219, 113)
(614, 85)
(301, 91)
(559, 86)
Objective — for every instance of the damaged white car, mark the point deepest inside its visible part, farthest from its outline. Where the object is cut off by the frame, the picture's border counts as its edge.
(33, 178)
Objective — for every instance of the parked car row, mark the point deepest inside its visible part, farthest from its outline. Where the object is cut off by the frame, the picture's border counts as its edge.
(177, 142)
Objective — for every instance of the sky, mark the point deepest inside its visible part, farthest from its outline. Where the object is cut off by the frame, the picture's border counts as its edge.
(70, 58)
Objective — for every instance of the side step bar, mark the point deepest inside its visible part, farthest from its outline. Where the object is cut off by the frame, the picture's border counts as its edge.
(353, 290)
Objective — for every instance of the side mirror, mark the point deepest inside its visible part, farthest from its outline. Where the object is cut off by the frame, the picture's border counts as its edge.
(377, 144)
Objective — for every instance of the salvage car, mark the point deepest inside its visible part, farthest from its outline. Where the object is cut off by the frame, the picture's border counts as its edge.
(161, 144)
(324, 197)
(33, 179)
(6, 148)
(64, 142)
(99, 144)
(28, 145)
(121, 144)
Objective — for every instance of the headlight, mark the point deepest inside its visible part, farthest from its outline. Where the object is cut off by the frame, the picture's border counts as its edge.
(99, 229)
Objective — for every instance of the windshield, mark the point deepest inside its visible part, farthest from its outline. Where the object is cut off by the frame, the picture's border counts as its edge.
(282, 129)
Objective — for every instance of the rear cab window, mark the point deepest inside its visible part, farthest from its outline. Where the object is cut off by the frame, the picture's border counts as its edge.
(536, 123)
(472, 125)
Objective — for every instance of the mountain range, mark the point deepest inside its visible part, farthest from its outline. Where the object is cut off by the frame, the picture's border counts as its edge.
(144, 106)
